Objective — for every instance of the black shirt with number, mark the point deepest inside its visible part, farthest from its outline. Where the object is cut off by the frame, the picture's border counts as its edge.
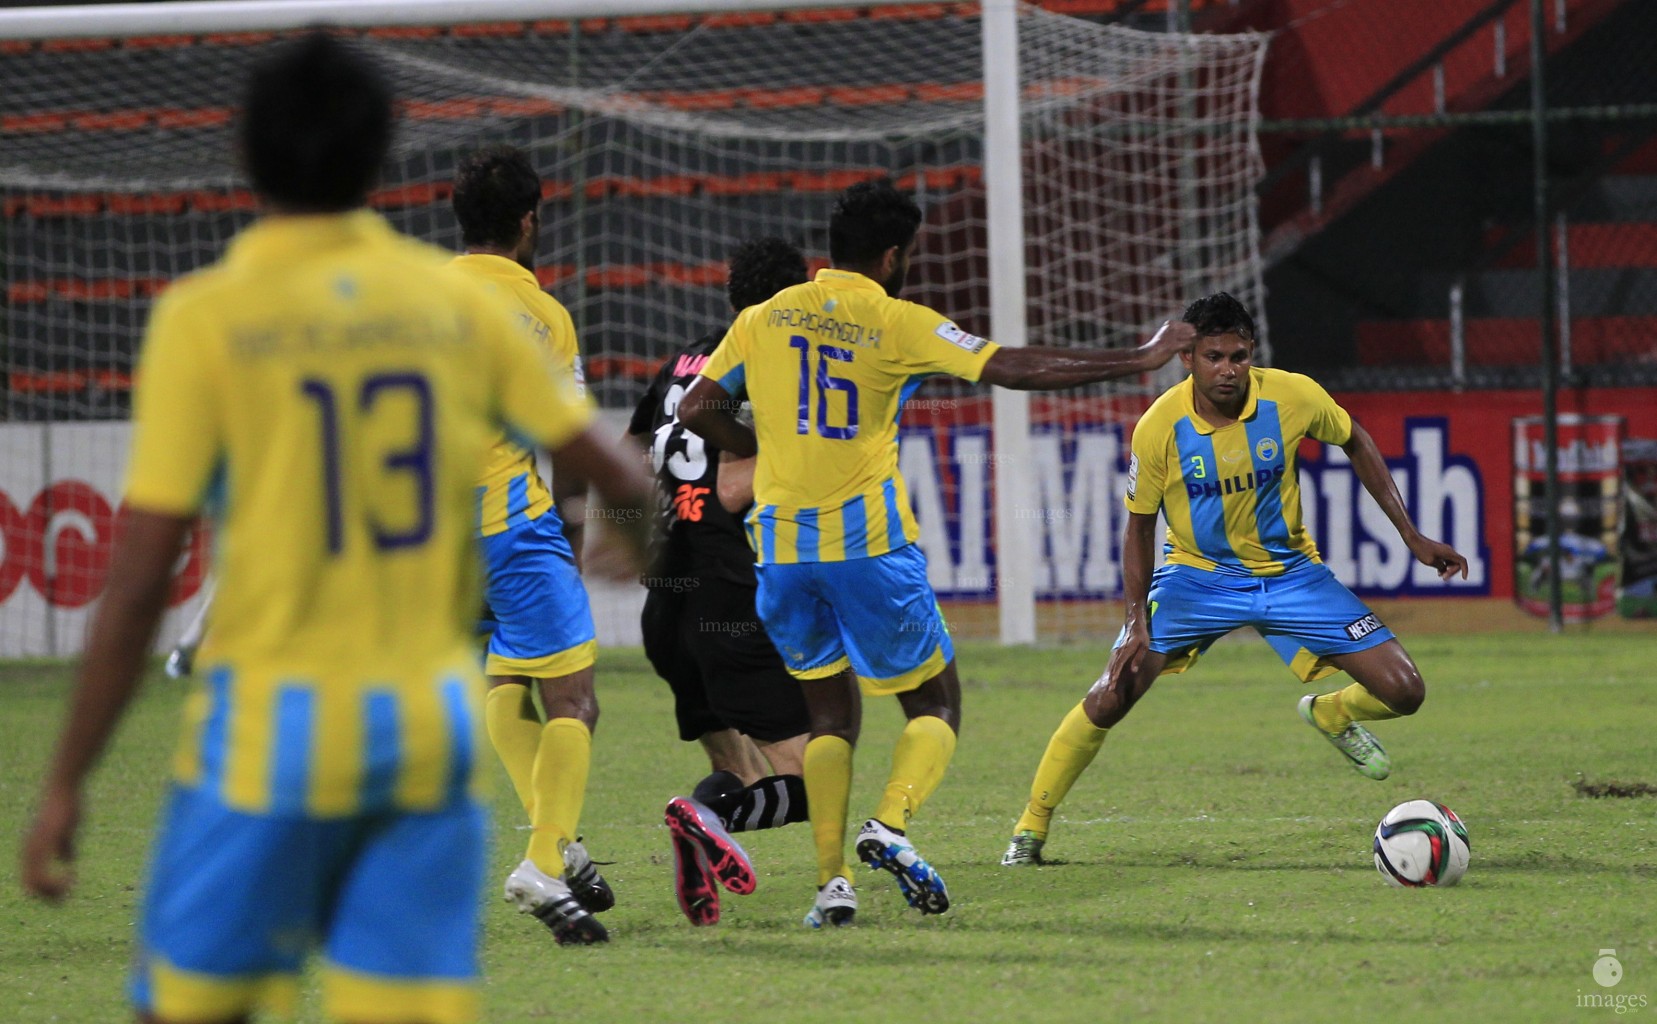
(695, 536)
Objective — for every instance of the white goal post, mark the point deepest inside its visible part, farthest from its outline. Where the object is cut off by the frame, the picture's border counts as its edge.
(1080, 180)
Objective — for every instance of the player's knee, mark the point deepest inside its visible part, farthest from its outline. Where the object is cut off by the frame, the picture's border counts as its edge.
(1110, 699)
(1406, 692)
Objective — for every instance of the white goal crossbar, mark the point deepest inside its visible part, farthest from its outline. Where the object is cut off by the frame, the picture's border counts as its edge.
(214, 16)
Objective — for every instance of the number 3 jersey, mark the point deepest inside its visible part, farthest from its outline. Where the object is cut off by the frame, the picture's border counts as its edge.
(827, 366)
(696, 536)
(335, 388)
(1232, 494)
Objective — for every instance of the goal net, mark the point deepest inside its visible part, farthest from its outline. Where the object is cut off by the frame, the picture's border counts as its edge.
(663, 141)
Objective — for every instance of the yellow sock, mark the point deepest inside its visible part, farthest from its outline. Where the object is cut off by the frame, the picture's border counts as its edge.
(1073, 747)
(923, 752)
(1363, 706)
(515, 732)
(828, 786)
(560, 779)
(1333, 712)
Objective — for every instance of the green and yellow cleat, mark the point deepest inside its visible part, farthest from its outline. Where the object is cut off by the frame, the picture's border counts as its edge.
(1357, 744)
(1024, 851)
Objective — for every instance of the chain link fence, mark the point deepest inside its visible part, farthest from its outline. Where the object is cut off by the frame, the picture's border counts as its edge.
(1399, 205)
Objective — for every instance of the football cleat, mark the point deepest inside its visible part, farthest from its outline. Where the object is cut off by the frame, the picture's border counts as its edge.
(1024, 850)
(880, 847)
(693, 883)
(586, 884)
(688, 819)
(549, 899)
(181, 662)
(1357, 744)
(836, 905)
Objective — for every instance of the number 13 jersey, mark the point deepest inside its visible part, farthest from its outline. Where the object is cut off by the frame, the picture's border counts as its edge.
(335, 388)
(828, 365)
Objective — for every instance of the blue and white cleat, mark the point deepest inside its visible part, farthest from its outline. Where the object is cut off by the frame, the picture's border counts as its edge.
(880, 847)
(836, 905)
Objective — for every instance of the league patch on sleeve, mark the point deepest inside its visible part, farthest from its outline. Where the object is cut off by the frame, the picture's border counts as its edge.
(961, 339)
(1363, 627)
(1133, 476)
(580, 377)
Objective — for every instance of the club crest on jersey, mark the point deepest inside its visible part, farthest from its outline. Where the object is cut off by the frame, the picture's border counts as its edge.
(961, 339)
(1363, 627)
(1266, 450)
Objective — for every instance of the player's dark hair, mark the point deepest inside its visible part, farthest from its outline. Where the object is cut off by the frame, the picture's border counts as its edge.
(494, 188)
(1220, 313)
(762, 267)
(869, 218)
(316, 124)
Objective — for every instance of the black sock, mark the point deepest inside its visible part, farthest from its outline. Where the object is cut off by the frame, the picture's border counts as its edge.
(721, 792)
(771, 802)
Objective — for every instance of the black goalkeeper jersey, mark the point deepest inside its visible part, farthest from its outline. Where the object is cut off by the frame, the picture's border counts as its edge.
(695, 536)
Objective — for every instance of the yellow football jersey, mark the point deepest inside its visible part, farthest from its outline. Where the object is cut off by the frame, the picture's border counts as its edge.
(511, 490)
(827, 365)
(330, 388)
(1232, 495)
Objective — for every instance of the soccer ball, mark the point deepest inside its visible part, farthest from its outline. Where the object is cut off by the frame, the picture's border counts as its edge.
(1420, 843)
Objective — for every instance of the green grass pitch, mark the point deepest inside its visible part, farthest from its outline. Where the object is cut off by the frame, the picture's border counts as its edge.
(1215, 859)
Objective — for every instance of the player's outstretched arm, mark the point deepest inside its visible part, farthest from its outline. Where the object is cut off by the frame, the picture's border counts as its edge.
(709, 410)
(140, 571)
(618, 474)
(1377, 480)
(1041, 368)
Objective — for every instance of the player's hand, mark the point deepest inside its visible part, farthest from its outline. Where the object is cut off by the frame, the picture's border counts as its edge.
(1172, 337)
(1128, 655)
(49, 848)
(1442, 557)
(616, 552)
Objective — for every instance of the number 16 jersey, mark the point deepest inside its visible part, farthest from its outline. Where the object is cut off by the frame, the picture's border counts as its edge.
(827, 366)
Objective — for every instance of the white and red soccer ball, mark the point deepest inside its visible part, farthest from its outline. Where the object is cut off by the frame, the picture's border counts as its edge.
(1421, 843)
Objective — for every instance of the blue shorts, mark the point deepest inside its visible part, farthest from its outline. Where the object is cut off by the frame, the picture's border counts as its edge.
(1306, 615)
(235, 901)
(876, 614)
(542, 623)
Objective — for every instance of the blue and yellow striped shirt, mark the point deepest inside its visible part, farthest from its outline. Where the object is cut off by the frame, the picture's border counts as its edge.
(1232, 495)
(828, 365)
(511, 490)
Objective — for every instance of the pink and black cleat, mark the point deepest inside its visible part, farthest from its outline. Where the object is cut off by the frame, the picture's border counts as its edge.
(694, 822)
